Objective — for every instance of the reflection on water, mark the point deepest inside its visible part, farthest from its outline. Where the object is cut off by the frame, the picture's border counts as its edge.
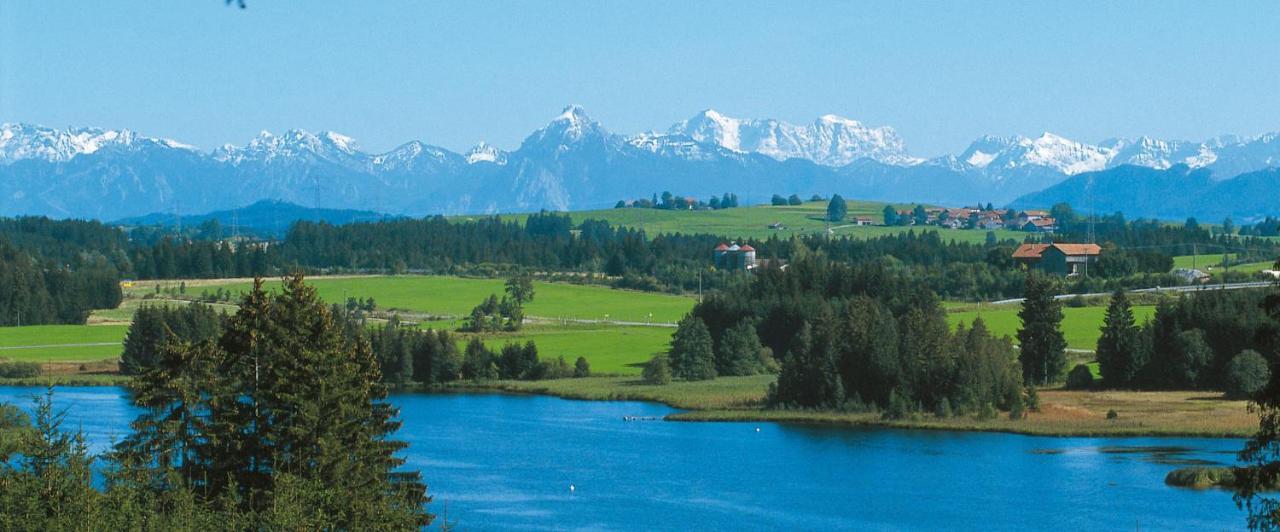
(507, 462)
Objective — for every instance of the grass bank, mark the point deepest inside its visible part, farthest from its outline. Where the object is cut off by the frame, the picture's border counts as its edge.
(1062, 412)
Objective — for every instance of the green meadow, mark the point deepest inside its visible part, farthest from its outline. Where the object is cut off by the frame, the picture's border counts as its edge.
(754, 221)
(61, 343)
(456, 296)
(1212, 262)
(611, 348)
(1080, 325)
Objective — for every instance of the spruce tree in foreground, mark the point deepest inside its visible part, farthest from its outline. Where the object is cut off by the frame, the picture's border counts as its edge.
(1042, 346)
(285, 418)
(1120, 350)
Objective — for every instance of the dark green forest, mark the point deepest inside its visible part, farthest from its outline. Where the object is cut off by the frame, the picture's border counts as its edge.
(55, 271)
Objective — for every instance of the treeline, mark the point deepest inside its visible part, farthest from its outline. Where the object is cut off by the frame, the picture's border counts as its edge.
(281, 422)
(36, 290)
(1163, 238)
(854, 336)
(1136, 254)
(404, 354)
(409, 355)
(1209, 340)
(668, 201)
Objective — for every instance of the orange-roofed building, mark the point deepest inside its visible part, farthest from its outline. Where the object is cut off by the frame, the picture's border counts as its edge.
(1058, 258)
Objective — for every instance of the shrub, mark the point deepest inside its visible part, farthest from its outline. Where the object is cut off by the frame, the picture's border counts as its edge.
(19, 370)
(1018, 407)
(553, 369)
(1246, 374)
(1080, 378)
(1112, 414)
(1033, 399)
(657, 371)
(1201, 477)
(581, 368)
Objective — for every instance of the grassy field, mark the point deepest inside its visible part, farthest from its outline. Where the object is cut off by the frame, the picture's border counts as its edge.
(754, 221)
(1212, 262)
(61, 343)
(1080, 325)
(456, 296)
(1062, 412)
(609, 349)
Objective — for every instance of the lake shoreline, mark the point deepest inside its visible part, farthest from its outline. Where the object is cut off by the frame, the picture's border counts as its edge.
(1143, 414)
(741, 399)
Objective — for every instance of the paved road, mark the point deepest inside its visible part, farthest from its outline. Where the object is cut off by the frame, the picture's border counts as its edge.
(1189, 288)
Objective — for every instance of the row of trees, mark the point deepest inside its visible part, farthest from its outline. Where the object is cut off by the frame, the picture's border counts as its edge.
(1209, 340)
(669, 201)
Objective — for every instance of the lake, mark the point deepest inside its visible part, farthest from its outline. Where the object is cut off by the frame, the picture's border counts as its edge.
(496, 461)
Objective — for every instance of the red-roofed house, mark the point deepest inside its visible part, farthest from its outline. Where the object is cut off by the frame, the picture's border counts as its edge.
(1058, 258)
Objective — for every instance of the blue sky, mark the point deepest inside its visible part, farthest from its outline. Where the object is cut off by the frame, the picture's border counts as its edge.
(453, 73)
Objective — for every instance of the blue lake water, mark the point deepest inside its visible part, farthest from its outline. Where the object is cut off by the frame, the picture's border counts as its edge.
(507, 462)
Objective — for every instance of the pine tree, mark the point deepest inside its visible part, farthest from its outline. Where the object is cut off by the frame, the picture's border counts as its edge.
(691, 356)
(1120, 353)
(1043, 348)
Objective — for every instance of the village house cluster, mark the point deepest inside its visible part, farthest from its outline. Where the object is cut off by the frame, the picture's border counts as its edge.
(988, 218)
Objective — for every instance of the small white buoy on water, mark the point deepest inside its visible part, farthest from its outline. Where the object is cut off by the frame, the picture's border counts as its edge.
(757, 429)
(571, 488)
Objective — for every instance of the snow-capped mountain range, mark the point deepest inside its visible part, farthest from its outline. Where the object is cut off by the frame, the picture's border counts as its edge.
(573, 162)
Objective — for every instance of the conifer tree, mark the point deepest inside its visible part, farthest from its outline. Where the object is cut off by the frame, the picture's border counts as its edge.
(1120, 353)
(1042, 346)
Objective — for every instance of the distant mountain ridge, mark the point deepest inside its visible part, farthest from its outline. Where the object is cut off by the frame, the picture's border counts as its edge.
(1177, 192)
(263, 218)
(573, 162)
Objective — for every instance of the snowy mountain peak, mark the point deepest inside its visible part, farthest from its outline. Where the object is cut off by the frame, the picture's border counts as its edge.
(340, 141)
(837, 119)
(994, 154)
(574, 114)
(830, 140)
(483, 152)
(27, 141)
(571, 126)
(292, 143)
